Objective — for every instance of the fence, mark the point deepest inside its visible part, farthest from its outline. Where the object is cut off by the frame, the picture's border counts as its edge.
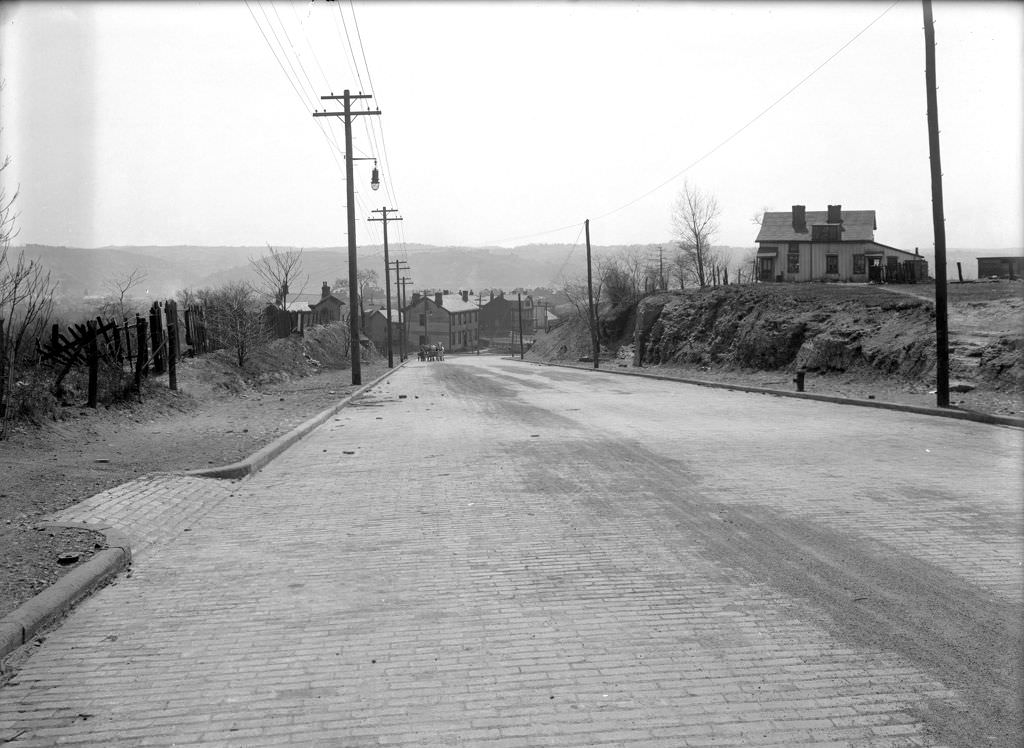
(149, 345)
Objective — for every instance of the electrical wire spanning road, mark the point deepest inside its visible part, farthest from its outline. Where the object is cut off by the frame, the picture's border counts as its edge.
(483, 552)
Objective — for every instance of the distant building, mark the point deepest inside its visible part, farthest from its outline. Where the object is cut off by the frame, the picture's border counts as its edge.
(836, 244)
(376, 329)
(450, 319)
(1000, 267)
(499, 317)
(328, 308)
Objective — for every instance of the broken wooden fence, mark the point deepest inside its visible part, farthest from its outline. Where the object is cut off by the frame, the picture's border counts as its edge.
(151, 344)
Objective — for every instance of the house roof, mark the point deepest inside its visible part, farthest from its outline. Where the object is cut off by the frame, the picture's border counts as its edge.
(395, 318)
(450, 302)
(858, 226)
(320, 300)
(453, 302)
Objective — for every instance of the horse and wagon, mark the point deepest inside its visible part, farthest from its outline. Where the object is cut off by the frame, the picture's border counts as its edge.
(434, 352)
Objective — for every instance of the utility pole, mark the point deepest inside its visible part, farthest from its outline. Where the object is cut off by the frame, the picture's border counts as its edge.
(405, 281)
(479, 306)
(353, 282)
(938, 217)
(591, 313)
(661, 269)
(387, 273)
(522, 353)
(400, 284)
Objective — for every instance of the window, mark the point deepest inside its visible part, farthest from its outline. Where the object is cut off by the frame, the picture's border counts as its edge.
(793, 261)
(832, 264)
(423, 320)
(859, 265)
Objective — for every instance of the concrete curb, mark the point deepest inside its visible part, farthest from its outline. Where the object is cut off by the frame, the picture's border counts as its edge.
(258, 460)
(21, 625)
(963, 415)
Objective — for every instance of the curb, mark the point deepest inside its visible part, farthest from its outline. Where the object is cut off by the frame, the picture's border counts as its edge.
(258, 460)
(963, 415)
(21, 625)
(25, 622)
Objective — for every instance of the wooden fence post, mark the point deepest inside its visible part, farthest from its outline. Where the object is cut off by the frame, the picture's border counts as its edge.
(190, 336)
(93, 357)
(141, 350)
(171, 311)
(156, 338)
(128, 345)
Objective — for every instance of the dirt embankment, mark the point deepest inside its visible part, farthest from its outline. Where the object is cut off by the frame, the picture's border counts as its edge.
(866, 333)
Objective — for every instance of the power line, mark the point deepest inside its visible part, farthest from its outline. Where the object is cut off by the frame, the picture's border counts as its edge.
(721, 144)
(295, 88)
(381, 147)
(756, 117)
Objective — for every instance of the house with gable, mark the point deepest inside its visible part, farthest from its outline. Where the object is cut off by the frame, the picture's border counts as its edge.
(328, 308)
(500, 316)
(450, 319)
(376, 329)
(830, 245)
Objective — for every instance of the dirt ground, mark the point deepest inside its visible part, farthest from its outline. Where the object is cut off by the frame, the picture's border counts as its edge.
(212, 420)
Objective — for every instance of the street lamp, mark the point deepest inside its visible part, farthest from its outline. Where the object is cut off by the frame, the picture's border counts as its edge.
(375, 175)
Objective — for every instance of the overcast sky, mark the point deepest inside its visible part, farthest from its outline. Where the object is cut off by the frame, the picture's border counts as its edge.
(504, 123)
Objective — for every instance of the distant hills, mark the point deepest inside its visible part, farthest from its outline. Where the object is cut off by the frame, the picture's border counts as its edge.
(88, 272)
(82, 272)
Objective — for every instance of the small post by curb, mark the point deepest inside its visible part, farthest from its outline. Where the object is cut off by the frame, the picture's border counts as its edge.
(799, 379)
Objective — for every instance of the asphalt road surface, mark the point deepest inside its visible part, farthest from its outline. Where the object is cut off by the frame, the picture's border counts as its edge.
(487, 552)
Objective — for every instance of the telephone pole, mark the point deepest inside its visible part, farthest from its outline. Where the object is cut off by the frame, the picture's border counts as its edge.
(400, 284)
(387, 273)
(353, 283)
(938, 217)
(591, 312)
(522, 353)
(661, 269)
(404, 302)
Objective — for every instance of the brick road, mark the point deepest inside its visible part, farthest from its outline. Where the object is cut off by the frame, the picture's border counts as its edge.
(512, 555)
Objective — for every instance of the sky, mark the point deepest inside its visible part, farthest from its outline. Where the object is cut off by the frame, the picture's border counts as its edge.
(503, 123)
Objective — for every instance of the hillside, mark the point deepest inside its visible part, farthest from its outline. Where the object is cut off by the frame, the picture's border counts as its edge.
(836, 332)
(87, 271)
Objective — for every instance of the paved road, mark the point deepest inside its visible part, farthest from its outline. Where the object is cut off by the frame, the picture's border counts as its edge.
(486, 552)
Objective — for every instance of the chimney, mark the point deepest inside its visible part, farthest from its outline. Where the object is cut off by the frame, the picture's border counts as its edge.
(325, 291)
(465, 295)
(439, 299)
(415, 298)
(835, 214)
(800, 218)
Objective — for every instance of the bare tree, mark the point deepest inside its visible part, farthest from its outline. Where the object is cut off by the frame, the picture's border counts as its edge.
(758, 215)
(366, 280)
(280, 271)
(234, 319)
(26, 302)
(575, 290)
(119, 287)
(695, 220)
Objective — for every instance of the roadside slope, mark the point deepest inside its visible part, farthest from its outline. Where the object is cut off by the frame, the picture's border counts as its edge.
(876, 341)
